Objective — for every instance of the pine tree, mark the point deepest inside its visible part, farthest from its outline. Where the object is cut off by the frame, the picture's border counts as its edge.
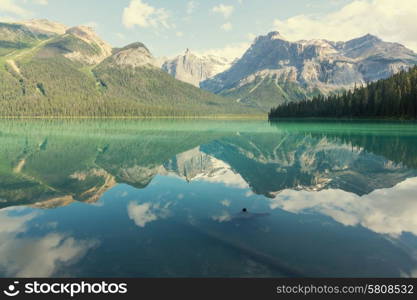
(395, 97)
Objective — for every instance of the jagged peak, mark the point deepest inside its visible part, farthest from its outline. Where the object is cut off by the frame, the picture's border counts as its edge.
(189, 54)
(134, 55)
(82, 31)
(135, 45)
(89, 36)
(371, 36)
(275, 35)
(367, 37)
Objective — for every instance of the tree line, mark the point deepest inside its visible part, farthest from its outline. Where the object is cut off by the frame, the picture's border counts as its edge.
(55, 86)
(395, 97)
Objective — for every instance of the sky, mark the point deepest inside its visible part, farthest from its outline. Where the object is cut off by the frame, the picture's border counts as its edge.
(223, 27)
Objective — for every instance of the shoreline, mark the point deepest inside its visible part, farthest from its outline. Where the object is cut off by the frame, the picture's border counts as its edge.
(214, 117)
(334, 119)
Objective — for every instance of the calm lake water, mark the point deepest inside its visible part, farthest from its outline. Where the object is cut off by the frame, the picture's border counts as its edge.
(164, 199)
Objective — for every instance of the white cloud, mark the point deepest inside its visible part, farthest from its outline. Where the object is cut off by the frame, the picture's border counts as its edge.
(230, 51)
(249, 194)
(22, 256)
(179, 34)
(15, 225)
(226, 203)
(145, 213)
(225, 10)
(10, 6)
(227, 26)
(191, 6)
(141, 214)
(390, 211)
(141, 14)
(40, 257)
(389, 19)
(223, 217)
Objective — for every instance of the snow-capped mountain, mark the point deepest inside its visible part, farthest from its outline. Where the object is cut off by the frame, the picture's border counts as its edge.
(306, 162)
(195, 165)
(274, 70)
(193, 68)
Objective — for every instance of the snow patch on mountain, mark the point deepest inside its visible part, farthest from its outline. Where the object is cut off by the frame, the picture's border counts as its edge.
(314, 66)
(193, 68)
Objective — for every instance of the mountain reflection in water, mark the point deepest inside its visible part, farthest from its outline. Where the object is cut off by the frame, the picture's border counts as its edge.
(110, 198)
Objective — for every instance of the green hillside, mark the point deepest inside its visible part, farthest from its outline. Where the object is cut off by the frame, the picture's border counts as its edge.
(264, 93)
(67, 44)
(53, 160)
(14, 37)
(151, 86)
(54, 76)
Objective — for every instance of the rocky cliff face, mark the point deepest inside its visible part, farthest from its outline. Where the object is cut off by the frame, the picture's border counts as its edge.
(275, 68)
(134, 55)
(101, 49)
(194, 69)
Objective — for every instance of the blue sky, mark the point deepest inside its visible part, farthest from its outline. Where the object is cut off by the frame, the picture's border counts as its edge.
(167, 27)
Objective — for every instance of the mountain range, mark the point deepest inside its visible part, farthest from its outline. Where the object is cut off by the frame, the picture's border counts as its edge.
(274, 70)
(48, 69)
(193, 68)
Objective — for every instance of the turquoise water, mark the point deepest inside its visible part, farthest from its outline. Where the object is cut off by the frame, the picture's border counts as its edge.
(165, 198)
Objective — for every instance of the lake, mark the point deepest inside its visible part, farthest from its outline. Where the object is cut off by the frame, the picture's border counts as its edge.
(207, 198)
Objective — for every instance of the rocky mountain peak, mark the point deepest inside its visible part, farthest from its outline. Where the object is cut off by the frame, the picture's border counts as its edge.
(89, 36)
(285, 70)
(134, 55)
(370, 37)
(193, 68)
(82, 31)
(188, 54)
(275, 35)
(136, 46)
(368, 40)
(369, 46)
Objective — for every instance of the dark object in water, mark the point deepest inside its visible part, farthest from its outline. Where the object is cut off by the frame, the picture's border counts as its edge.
(245, 215)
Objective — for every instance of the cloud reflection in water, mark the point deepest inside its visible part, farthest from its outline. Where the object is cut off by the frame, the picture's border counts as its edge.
(35, 256)
(390, 211)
